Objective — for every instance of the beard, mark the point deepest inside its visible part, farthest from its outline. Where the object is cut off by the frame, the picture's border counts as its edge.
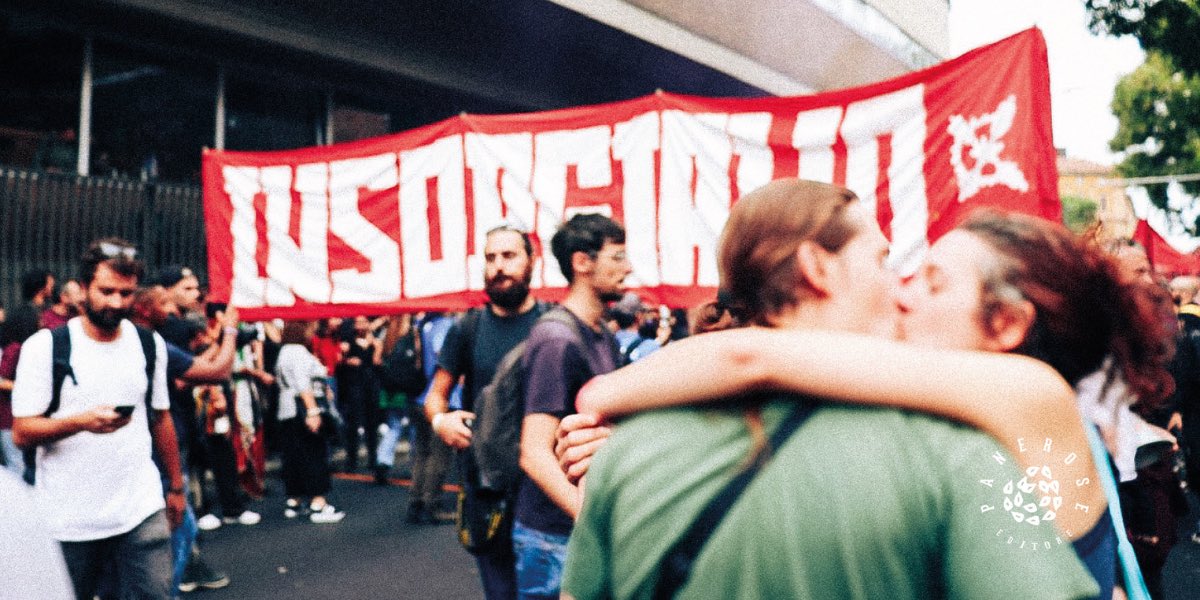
(106, 319)
(508, 297)
(611, 296)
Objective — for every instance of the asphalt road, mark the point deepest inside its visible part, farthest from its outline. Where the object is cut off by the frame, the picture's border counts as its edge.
(372, 553)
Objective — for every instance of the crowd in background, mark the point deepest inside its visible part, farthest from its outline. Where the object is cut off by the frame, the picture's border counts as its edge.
(300, 400)
(294, 400)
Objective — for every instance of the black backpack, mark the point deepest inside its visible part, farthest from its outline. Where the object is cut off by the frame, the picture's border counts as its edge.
(499, 410)
(60, 354)
(401, 369)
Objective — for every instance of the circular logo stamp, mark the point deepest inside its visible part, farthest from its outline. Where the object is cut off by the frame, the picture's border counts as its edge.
(1031, 501)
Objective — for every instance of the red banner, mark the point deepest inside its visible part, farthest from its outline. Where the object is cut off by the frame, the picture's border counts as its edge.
(1165, 259)
(396, 223)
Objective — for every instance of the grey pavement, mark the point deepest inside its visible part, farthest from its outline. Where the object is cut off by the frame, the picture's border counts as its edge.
(372, 553)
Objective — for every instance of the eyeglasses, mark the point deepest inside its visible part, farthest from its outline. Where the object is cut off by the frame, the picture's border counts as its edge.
(111, 250)
(619, 256)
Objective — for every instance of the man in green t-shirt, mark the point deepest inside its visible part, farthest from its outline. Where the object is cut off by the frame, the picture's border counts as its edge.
(860, 503)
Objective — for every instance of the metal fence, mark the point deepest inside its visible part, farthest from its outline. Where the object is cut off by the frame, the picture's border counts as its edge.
(47, 219)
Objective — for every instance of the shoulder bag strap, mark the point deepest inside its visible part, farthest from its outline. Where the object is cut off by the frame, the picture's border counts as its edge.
(676, 566)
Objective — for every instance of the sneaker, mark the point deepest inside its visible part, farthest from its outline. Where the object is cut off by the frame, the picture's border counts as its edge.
(248, 517)
(197, 574)
(325, 514)
(293, 508)
(208, 522)
(187, 583)
(206, 577)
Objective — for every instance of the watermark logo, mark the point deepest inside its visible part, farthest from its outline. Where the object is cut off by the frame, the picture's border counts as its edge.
(1032, 499)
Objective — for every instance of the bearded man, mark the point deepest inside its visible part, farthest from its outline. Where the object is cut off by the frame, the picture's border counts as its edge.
(472, 350)
(95, 435)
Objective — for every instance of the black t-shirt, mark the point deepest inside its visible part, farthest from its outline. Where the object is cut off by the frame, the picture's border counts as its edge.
(494, 337)
(365, 354)
(177, 331)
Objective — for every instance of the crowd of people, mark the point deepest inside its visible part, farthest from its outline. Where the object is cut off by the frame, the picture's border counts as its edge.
(830, 430)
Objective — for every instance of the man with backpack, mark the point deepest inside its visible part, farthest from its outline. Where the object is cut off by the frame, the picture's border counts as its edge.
(473, 349)
(561, 355)
(94, 401)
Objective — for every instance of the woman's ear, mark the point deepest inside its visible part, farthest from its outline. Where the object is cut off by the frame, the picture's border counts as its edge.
(813, 263)
(1010, 326)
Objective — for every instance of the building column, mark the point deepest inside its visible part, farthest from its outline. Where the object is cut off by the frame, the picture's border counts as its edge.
(327, 137)
(219, 124)
(83, 154)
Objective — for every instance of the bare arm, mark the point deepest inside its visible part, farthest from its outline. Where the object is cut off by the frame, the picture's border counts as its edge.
(447, 425)
(377, 352)
(1017, 400)
(35, 431)
(540, 464)
(216, 365)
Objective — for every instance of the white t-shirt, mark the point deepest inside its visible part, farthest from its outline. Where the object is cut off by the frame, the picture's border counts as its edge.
(295, 371)
(100, 485)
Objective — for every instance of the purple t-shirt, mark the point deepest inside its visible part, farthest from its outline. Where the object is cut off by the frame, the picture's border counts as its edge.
(558, 365)
(8, 370)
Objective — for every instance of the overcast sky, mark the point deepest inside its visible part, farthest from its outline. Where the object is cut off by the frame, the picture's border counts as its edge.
(1083, 68)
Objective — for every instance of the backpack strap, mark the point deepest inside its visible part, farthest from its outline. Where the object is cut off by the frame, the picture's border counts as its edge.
(560, 314)
(469, 325)
(676, 566)
(627, 351)
(146, 337)
(60, 355)
(470, 328)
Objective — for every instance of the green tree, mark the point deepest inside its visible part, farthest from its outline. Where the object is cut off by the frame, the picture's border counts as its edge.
(1158, 107)
(1078, 213)
(1166, 26)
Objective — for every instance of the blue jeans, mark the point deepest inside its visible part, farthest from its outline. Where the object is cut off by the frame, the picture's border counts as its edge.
(540, 560)
(386, 453)
(142, 558)
(182, 538)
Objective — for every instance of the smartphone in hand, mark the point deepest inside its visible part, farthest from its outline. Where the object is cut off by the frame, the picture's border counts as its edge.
(124, 410)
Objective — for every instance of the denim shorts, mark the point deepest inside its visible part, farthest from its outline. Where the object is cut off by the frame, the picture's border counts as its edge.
(540, 560)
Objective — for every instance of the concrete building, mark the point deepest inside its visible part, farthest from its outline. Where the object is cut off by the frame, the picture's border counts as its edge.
(105, 105)
(137, 87)
(1099, 184)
